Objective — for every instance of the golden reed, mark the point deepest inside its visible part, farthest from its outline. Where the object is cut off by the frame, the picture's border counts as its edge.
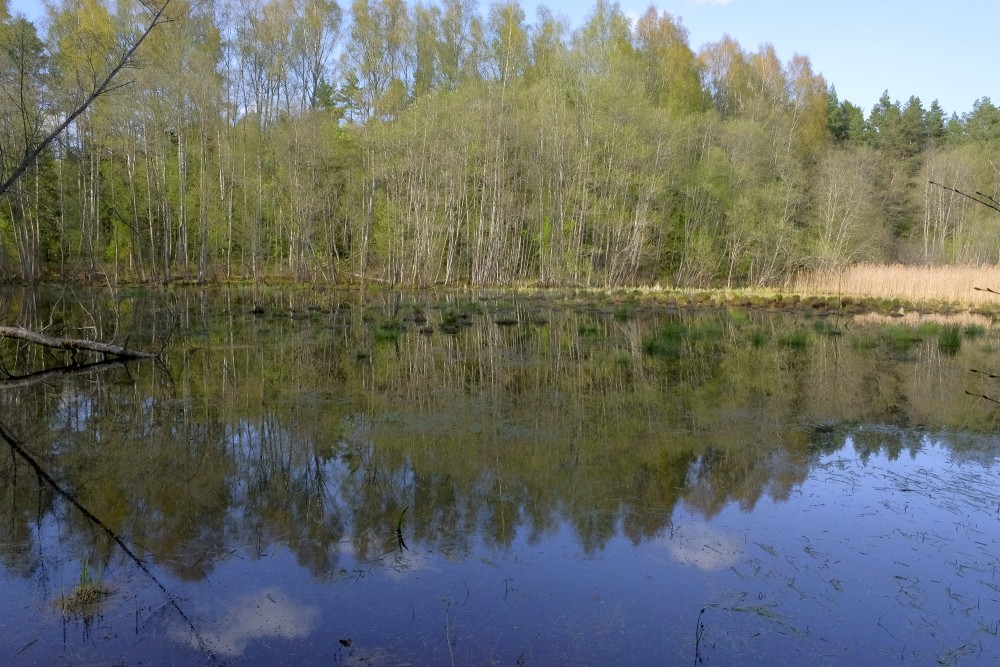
(912, 283)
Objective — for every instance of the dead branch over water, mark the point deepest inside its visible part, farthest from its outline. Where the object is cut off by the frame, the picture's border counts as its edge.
(73, 344)
(17, 447)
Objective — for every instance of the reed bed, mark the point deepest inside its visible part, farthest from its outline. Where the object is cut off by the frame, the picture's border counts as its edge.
(899, 281)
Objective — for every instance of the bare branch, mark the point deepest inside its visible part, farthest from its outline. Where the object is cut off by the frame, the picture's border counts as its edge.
(990, 203)
(72, 344)
(983, 396)
(100, 89)
(18, 448)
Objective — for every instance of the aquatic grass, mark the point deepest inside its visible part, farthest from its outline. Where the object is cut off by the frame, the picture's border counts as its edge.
(667, 342)
(901, 338)
(623, 360)
(712, 330)
(624, 313)
(387, 331)
(739, 317)
(825, 327)
(864, 343)
(928, 329)
(974, 331)
(796, 340)
(662, 347)
(86, 597)
(950, 340)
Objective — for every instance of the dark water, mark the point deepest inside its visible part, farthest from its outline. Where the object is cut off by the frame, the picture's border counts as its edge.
(309, 478)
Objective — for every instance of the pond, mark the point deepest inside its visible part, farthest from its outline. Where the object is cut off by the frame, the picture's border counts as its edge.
(315, 477)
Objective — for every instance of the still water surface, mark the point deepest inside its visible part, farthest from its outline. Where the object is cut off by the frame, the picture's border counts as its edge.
(326, 478)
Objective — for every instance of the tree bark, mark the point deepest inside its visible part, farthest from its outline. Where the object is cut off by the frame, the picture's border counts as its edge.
(72, 344)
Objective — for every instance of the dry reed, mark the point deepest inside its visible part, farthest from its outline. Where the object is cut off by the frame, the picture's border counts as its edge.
(898, 281)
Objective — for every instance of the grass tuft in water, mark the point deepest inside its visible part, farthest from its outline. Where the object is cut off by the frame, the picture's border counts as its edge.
(624, 313)
(667, 342)
(623, 360)
(900, 337)
(864, 343)
(390, 331)
(796, 340)
(85, 598)
(950, 340)
(825, 327)
(974, 331)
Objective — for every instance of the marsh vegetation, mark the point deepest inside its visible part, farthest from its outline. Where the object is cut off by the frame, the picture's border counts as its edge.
(473, 476)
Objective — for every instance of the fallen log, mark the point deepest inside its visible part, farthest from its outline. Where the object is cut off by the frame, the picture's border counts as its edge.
(72, 344)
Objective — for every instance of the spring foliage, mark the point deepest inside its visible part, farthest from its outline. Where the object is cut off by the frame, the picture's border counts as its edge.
(431, 143)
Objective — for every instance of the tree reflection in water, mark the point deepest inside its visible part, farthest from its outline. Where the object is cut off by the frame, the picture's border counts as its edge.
(292, 421)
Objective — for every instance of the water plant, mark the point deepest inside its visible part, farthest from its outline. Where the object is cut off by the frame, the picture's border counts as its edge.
(902, 338)
(624, 313)
(796, 340)
(825, 327)
(950, 340)
(85, 598)
(666, 342)
(928, 329)
(389, 331)
(864, 342)
(973, 331)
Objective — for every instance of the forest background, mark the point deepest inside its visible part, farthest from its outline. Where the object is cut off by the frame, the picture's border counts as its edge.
(431, 143)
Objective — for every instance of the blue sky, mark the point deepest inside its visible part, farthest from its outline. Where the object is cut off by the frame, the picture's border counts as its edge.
(943, 50)
(932, 49)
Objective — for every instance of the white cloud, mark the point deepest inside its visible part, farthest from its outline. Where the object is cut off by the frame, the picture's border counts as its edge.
(267, 613)
(706, 548)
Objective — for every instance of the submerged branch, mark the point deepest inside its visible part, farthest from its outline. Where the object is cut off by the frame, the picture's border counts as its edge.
(72, 344)
(19, 449)
(21, 381)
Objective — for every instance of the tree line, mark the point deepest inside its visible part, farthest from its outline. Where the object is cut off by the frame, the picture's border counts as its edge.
(431, 143)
